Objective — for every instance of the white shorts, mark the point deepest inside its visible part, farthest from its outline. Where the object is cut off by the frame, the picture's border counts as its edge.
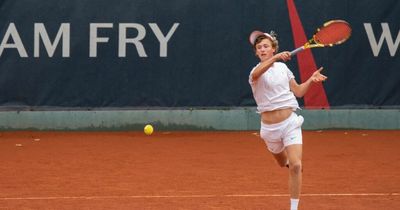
(280, 135)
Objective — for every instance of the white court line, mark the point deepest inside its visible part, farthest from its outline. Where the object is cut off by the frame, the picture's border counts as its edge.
(317, 195)
(193, 196)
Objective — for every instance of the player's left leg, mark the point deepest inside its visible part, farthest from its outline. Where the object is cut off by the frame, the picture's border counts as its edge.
(293, 141)
(294, 153)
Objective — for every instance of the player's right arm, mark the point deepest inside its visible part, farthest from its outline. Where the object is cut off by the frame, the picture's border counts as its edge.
(265, 65)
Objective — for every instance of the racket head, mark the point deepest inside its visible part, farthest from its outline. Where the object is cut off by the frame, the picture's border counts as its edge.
(333, 32)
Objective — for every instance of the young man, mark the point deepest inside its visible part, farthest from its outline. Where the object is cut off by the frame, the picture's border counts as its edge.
(275, 91)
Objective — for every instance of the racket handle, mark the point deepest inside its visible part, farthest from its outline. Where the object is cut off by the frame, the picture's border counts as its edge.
(294, 52)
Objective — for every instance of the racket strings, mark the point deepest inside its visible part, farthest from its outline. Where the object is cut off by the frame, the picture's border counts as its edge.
(334, 33)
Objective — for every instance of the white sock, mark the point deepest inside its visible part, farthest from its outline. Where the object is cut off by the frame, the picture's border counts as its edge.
(294, 203)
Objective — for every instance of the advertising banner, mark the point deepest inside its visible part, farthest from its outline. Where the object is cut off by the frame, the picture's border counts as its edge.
(188, 53)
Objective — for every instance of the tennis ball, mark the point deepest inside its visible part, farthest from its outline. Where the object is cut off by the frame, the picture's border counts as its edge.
(148, 129)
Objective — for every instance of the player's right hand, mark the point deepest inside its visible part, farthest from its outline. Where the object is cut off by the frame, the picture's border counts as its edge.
(284, 56)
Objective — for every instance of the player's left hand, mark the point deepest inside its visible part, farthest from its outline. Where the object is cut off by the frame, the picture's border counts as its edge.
(317, 76)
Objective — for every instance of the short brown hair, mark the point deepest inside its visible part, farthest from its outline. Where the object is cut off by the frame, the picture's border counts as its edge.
(274, 41)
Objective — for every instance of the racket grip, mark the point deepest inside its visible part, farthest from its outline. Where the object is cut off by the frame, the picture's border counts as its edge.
(294, 52)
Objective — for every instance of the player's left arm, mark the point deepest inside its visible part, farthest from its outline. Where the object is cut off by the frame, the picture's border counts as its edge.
(300, 90)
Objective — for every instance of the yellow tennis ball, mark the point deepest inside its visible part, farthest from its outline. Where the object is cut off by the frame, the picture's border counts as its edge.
(148, 129)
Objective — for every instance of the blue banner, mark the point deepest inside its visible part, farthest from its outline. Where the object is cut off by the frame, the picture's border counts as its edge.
(184, 53)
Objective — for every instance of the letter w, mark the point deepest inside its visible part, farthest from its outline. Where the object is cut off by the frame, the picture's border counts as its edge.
(386, 35)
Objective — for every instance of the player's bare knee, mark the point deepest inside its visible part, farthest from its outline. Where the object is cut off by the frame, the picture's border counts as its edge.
(296, 167)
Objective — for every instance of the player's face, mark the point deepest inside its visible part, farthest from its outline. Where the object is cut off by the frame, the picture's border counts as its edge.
(264, 49)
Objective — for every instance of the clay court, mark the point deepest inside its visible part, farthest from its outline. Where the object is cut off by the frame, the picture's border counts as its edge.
(194, 170)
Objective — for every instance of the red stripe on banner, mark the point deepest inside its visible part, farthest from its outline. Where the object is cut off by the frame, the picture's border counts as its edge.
(315, 98)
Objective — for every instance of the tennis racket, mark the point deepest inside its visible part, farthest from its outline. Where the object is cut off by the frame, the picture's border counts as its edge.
(332, 33)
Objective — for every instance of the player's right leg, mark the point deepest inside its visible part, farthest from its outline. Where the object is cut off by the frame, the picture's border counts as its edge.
(272, 136)
(281, 159)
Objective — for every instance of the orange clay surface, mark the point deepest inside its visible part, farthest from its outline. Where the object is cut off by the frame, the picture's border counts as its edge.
(194, 170)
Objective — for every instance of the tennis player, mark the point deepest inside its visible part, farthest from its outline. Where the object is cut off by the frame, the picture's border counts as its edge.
(275, 91)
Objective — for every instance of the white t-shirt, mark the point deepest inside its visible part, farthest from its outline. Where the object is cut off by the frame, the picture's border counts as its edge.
(272, 91)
